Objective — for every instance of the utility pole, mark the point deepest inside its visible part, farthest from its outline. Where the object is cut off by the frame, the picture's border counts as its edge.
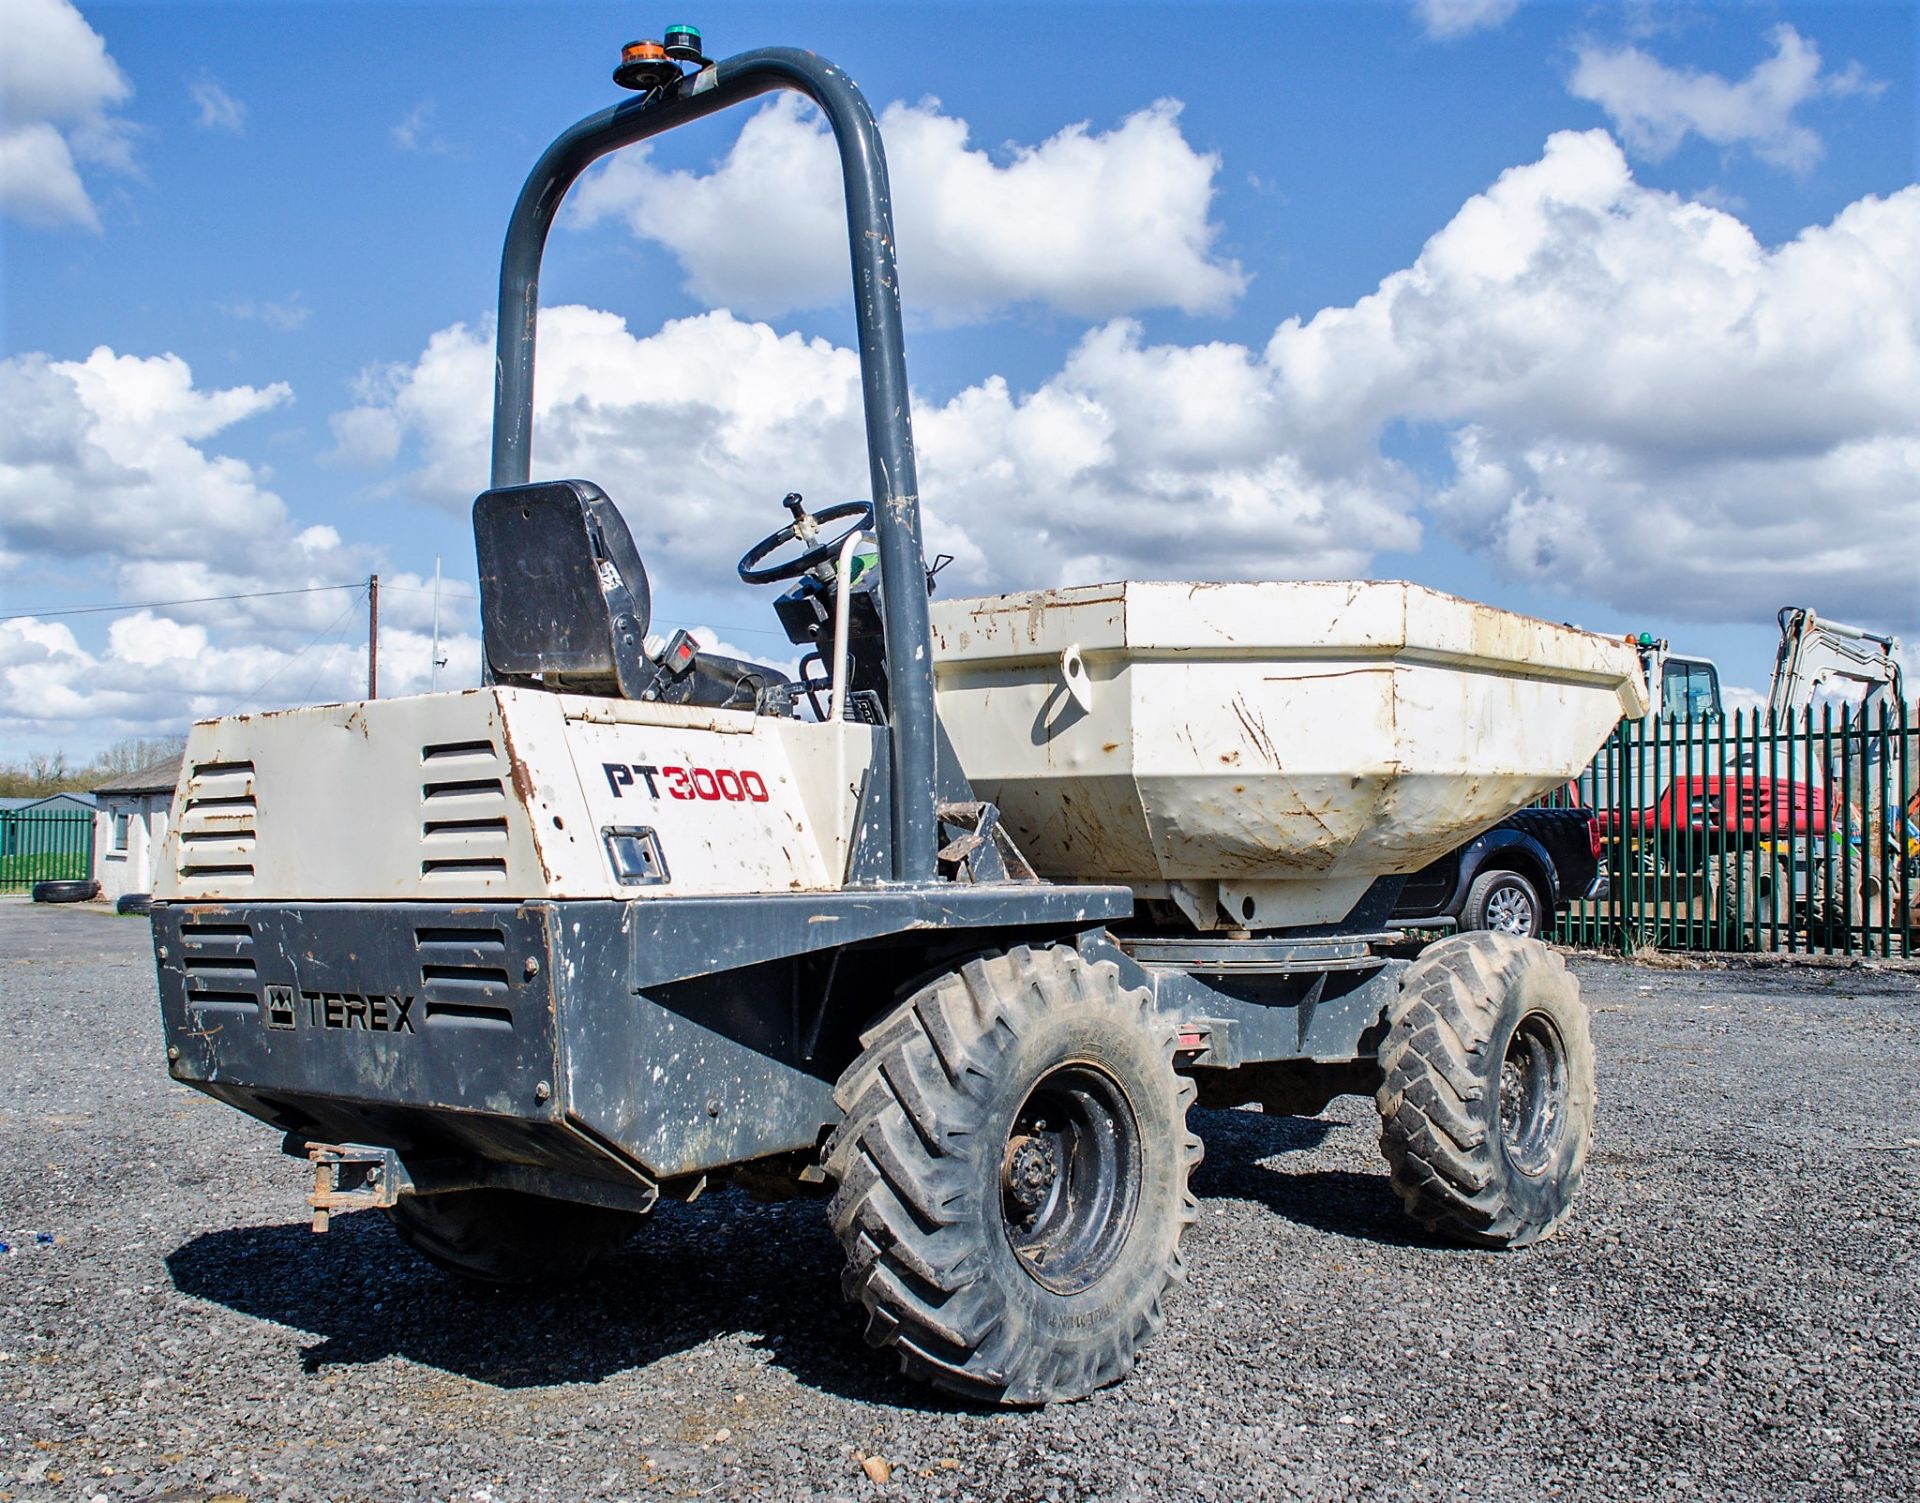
(373, 636)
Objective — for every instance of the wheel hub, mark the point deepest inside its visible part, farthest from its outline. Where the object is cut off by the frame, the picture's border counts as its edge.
(1534, 1090)
(1032, 1166)
(1509, 912)
(1070, 1177)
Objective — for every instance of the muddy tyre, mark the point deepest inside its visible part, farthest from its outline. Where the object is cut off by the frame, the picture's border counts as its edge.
(1012, 1177)
(1505, 903)
(1486, 1095)
(507, 1237)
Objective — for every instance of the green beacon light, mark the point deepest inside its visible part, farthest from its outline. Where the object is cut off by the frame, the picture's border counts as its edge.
(683, 44)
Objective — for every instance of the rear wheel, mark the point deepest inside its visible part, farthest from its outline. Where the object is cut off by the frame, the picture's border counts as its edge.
(1487, 1095)
(508, 1237)
(1012, 1177)
(1503, 902)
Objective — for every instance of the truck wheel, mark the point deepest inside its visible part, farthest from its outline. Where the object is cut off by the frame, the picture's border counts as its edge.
(509, 1237)
(1012, 1177)
(1503, 902)
(1486, 1094)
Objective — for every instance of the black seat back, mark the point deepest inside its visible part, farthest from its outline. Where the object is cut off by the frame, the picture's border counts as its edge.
(563, 594)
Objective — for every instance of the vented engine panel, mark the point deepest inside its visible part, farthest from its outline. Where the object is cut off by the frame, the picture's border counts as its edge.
(506, 794)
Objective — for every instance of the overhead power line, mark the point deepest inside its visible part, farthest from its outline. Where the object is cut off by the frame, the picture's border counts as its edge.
(312, 642)
(726, 627)
(153, 605)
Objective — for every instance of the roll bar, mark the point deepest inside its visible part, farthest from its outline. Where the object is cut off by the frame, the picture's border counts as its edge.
(883, 366)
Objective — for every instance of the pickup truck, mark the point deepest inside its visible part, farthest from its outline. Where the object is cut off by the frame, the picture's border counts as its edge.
(1512, 878)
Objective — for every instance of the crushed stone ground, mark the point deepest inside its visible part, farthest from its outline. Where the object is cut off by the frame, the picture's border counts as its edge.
(1732, 1313)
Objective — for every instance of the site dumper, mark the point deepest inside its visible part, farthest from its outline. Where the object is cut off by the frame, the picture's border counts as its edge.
(953, 929)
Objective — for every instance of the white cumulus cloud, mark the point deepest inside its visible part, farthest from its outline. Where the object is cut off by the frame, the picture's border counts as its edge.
(1092, 223)
(1132, 459)
(1644, 403)
(58, 87)
(102, 454)
(106, 461)
(1639, 402)
(1656, 107)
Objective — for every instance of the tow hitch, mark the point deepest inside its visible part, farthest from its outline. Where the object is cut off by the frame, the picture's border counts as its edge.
(354, 1177)
(367, 1177)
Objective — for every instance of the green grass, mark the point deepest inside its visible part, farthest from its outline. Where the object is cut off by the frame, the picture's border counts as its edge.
(18, 873)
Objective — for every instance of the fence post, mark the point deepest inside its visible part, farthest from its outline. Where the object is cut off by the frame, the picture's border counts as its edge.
(1909, 727)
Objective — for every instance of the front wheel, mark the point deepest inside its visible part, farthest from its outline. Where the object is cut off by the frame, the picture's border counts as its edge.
(1012, 1177)
(1487, 1094)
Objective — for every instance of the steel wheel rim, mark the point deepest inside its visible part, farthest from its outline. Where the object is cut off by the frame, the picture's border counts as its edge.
(1070, 1177)
(1509, 910)
(1534, 1095)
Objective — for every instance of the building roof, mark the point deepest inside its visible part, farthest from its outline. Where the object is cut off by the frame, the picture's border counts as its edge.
(155, 777)
(41, 800)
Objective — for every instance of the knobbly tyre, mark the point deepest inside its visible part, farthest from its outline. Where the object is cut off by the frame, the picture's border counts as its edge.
(958, 948)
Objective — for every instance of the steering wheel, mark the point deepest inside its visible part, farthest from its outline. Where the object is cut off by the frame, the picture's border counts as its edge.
(752, 571)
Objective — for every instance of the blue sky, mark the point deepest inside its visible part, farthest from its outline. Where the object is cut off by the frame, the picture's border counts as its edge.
(1661, 377)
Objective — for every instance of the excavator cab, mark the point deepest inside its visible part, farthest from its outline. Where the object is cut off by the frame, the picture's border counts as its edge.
(1689, 690)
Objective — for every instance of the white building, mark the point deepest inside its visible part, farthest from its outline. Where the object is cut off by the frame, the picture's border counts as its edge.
(129, 826)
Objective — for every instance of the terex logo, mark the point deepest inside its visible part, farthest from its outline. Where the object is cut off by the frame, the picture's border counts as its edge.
(371, 1012)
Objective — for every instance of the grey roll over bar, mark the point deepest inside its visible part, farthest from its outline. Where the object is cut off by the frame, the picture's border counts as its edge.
(883, 366)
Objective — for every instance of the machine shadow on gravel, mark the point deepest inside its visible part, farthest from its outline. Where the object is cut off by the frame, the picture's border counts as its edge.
(694, 1274)
(1363, 1206)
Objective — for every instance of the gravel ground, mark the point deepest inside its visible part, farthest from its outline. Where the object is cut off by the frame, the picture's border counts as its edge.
(1731, 1313)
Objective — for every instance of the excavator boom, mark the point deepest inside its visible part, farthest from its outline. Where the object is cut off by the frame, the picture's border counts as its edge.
(1813, 651)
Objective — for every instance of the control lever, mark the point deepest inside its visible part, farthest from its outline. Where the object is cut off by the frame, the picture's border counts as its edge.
(805, 528)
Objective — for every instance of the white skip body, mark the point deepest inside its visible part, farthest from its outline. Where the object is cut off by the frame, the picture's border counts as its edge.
(1259, 753)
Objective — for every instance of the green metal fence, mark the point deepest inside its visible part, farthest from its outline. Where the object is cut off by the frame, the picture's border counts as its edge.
(1743, 833)
(41, 845)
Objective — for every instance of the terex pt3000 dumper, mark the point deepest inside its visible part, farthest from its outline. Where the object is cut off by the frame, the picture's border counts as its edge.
(959, 948)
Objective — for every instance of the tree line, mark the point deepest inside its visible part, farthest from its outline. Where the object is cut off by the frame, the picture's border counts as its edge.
(42, 773)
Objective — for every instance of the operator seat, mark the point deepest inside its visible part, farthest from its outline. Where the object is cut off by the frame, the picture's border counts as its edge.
(565, 604)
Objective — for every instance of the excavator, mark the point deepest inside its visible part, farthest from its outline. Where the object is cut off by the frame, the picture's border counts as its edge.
(1764, 828)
